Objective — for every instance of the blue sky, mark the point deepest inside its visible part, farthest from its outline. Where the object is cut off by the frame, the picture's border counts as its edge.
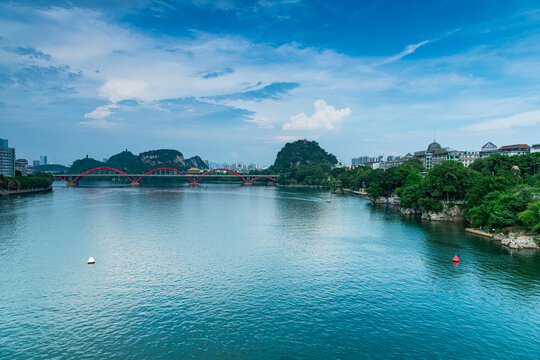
(235, 80)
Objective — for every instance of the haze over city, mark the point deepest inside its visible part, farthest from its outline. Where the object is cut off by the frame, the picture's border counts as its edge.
(235, 80)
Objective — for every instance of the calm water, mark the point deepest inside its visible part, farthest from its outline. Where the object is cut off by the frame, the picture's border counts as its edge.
(253, 272)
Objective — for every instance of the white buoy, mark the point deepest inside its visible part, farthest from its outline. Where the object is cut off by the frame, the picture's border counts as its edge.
(91, 260)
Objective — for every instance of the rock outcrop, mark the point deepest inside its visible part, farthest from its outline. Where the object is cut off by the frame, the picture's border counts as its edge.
(454, 213)
(522, 242)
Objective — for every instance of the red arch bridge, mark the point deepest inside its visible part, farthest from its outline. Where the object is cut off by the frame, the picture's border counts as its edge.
(72, 179)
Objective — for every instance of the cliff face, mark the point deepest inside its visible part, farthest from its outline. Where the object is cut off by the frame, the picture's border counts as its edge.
(454, 213)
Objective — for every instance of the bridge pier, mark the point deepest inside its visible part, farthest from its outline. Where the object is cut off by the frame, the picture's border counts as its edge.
(70, 184)
(134, 184)
(193, 185)
(247, 184)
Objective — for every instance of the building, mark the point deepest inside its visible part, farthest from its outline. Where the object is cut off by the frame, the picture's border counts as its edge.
(7, 159)
(488, 149)
(435, 154)
(518, 149)
(193, 170)
(3, 142)
(468, 157)
(43, 159)
(35, 163)
(366, 160)
(22, 166)
(535, 148)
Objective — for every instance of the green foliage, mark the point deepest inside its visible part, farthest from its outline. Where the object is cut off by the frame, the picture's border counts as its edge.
(500, 209)
(318, 175)
(450, 180)
(144, 162)
(121, 160)
(374, 191)
(531, 216)
(429, 204)
(301, 153)
(38, 181)
(56, 168)
(82, 165)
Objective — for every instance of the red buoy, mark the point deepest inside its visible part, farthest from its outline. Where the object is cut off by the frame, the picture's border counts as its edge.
(455, 259)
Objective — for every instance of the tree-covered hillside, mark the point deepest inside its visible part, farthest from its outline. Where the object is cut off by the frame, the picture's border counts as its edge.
(302, 153)
(82, 165)
(121, 160)
(144, 162)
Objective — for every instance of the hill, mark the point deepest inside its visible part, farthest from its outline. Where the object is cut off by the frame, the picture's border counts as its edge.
(142, 163)
(82, 165)
(302, 152)
(51, 168)
(121, 160)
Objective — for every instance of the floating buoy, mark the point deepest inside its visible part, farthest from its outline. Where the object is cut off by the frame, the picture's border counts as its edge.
(91, 260)
(328, 201)
(455, 259)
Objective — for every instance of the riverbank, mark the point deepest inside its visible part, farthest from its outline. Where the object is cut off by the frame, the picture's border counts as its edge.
(512, 240)
(479, 232)
(25, 191)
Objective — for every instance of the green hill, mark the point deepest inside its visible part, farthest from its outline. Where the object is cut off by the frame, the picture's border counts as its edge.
(144, 162)
(302, 152)
(82, 165)
(51, 168)
(121, 160)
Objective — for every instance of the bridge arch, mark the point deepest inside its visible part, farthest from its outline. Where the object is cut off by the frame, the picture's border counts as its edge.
(220, 169)
(101, 168)
(59, 178)
(151, 171)
(262, 177)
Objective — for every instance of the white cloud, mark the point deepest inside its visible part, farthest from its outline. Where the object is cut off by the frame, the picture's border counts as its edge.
(325, 117)
(408, 50)
(118, 90)
(100, 123)
(529, 118)
(101, 112)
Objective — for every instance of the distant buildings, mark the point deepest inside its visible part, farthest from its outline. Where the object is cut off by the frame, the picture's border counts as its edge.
(488, 149)
(35, 163)
(7, 159)
(435, 154)
(43, 159)
(22, 166)
(359, 161)
(519, 149)
(370, 160)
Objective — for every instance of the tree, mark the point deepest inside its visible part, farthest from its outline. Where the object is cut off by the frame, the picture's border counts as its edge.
(531, 216)
(374, 191)
(450, 180)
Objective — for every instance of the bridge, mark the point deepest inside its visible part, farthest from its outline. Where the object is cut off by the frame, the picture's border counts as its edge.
(135, 179)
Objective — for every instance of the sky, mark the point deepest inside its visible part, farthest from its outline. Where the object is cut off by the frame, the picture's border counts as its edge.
(235, 80)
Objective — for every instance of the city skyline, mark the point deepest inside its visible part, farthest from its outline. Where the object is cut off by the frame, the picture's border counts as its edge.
(233, 82)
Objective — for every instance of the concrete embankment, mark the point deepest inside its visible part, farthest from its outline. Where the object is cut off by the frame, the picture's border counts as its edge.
(25, 191)
(479, 232)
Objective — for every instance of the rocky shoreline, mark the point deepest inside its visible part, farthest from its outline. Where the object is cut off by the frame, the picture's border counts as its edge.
(455, 214)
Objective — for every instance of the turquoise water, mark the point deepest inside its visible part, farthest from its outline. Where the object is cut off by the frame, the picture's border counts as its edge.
(228, 271)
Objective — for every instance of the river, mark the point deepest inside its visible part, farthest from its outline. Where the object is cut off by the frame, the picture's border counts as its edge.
(225, 271)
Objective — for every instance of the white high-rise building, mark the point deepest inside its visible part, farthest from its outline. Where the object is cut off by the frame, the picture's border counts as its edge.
(7, 159)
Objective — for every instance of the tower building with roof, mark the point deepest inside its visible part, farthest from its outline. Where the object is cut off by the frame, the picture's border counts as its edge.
(435, 154)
